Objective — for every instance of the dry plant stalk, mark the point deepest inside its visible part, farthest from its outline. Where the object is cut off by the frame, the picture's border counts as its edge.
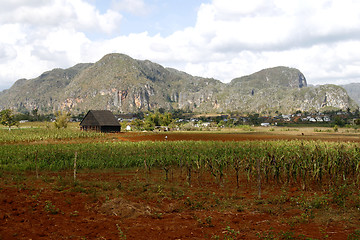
(75, 166)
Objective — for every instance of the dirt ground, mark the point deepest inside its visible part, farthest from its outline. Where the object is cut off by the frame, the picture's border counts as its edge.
(134, 204)
(239, 136)
(131, 204)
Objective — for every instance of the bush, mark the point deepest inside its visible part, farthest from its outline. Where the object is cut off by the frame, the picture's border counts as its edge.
(62, 119)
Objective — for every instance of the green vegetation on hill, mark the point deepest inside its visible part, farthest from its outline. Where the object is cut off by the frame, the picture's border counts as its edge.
(41, 93)
(122, 84)
(353, 89)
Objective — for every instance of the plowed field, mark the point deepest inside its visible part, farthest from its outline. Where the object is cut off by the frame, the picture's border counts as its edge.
(135, 204)
(237, 136)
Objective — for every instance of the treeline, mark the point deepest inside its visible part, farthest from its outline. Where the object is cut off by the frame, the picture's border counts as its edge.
(150, 121)
(33, 116)
(161, 117)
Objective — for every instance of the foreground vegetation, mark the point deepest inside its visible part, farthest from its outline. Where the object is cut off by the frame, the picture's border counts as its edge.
(312, 181)
(303, 162)
(30, 132)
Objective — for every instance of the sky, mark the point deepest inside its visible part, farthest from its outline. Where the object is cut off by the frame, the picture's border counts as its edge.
(221, 39)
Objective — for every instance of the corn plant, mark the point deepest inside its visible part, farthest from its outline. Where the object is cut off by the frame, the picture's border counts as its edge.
(283, 162)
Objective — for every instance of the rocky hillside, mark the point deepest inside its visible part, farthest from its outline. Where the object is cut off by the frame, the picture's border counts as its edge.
(122, 84)
(353, 89)
(284, 90)
(42, 92)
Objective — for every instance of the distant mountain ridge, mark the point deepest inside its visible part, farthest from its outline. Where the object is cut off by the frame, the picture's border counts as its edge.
(122, 84)
(353, 89)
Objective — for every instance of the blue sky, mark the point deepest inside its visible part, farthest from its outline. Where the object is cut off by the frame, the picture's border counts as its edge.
(158, 17)
(223, 39)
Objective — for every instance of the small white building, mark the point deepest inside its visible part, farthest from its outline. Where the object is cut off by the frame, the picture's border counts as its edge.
(265, 124)
(319, 119)
(327, 119)
(312, 120)
(204, 124)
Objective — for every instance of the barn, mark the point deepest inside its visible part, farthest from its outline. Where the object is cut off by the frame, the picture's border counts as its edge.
(100, 120)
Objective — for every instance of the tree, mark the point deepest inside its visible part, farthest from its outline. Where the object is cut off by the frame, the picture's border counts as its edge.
(161, 110)
(62, 119)
(221, 123)
(137, 124)
(357, 113)
(165, 119)
(7, 118)
(157, 119)
(254, 119)
(339, 121)
(35, 114)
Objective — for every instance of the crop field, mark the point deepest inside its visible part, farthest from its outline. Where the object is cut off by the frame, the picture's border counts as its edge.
(256, 183)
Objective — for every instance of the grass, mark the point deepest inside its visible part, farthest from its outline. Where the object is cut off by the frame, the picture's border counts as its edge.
(304, 162)
(50, 207)
(31, 132)
(120, 232)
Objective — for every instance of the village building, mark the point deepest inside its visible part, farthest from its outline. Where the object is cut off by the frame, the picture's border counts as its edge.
(161, 128)
(100, 120)
(126, 117)
(203, 124)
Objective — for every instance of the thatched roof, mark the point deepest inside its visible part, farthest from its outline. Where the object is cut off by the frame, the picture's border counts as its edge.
(99, 118)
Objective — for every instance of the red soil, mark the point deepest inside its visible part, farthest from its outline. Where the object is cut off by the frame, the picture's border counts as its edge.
(219, 136)
(147, 207)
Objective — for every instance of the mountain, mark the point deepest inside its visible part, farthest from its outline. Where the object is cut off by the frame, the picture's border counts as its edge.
(353, 89)
(284, 90)
(120, 83)
(42, 92)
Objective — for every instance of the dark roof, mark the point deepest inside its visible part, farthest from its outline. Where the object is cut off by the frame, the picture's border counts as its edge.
(99, 118)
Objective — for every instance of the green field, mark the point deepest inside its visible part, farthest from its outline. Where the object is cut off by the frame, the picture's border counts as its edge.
(304, 162)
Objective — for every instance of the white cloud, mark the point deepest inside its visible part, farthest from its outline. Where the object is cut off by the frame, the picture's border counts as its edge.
(39, 35)
(7, 53)
(11, 5)
(61, 47)
(240, 37)
(270, 25)
(75, 14)
(137, 7)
